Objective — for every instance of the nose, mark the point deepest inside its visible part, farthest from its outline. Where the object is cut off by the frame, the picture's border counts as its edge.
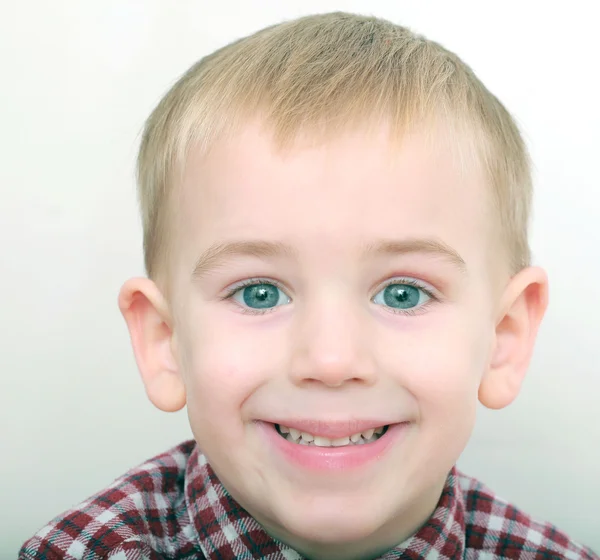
(331, 346)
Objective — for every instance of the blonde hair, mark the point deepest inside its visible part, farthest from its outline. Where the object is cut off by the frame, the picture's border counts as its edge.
(323, 73)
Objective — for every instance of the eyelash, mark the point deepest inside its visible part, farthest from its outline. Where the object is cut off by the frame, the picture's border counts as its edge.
(398, 280)
(252, 282)
(415, 284)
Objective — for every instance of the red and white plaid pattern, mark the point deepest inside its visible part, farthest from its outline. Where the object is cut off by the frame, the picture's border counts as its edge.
(173, 506)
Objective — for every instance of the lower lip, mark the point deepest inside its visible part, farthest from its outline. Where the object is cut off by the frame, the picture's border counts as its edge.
(348, 457)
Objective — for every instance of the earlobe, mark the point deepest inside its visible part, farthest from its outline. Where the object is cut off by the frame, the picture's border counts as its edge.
(521, 312)
(147, 316)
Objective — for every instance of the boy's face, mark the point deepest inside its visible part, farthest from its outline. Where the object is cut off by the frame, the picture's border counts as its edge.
(372, 306)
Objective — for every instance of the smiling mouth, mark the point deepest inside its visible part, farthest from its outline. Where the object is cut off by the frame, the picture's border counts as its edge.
(304, 438)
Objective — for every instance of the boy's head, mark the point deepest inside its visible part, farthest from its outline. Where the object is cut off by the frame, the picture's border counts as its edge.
(335, 229)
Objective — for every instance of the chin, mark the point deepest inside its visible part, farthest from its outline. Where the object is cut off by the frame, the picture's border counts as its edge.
(332, 525)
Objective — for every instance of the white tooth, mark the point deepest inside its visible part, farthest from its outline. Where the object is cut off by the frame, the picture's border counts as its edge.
(295, 433)
(322, 441)
(340, 441)
(307, 437)
(302, 442)
(355, 437)
(284, 429)
(372, 439)
(369, 433)
(379, 430)
(361, 441)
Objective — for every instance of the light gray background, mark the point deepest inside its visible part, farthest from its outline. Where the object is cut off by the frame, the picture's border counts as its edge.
(77, 80)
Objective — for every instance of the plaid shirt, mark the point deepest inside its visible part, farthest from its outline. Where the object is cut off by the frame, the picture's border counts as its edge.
(173, 506)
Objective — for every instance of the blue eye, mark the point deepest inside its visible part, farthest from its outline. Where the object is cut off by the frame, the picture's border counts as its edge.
(402, 296)
(260, 296)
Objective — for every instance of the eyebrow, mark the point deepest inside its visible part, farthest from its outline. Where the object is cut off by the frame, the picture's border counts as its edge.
(432, 247)
(219, 253)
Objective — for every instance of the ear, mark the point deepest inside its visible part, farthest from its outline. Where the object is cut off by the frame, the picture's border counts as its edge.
(522, 308)
(147, 315)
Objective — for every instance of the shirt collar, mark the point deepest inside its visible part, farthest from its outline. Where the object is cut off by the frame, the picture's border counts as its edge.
(225, 530)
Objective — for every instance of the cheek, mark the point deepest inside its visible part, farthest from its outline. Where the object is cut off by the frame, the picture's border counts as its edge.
(442, 373)
(222, 368)
(216, 383)
(441, 366)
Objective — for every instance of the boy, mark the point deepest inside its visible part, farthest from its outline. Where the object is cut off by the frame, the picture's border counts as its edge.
(335, 222)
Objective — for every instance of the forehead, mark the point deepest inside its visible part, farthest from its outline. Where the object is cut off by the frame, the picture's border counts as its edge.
(333, 195)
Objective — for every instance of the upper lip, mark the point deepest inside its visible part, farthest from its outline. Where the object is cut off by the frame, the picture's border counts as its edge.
(332, 429)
